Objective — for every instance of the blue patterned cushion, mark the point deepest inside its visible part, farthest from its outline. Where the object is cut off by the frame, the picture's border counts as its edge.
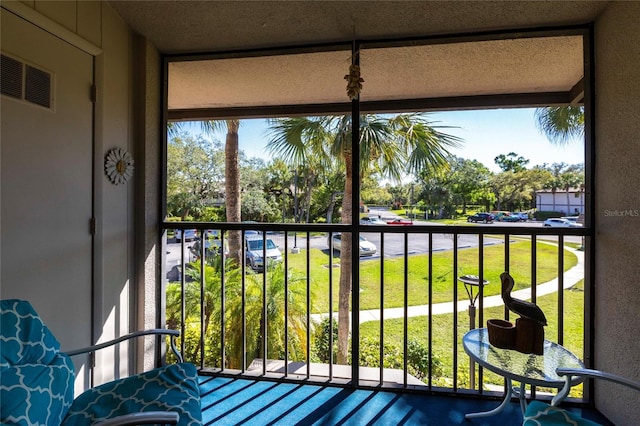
(176, 383)
(541, 414)
(36, 381)
(25, 338)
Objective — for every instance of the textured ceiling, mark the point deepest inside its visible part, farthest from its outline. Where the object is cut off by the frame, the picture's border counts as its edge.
(195, 26)
(495, 67)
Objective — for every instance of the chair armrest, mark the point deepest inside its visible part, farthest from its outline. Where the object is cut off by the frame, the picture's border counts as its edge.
(597, 374)
(568, 373)
(148, 417)
(155, 331)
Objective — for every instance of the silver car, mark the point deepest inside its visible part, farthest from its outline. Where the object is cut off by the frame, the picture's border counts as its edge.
(561, 223)
(372, 220)
(367, 248)
(255, 250)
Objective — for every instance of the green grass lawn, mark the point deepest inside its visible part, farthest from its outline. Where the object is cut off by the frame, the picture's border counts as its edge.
(444, 340)
(442, 283)
(443, 291)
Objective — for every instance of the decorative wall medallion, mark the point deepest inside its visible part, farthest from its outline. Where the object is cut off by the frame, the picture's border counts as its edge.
(118, 165)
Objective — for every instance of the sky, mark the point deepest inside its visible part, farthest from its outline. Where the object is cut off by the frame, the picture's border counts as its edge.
(485, 133)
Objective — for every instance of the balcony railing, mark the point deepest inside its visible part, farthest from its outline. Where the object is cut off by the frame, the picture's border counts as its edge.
(413, 307)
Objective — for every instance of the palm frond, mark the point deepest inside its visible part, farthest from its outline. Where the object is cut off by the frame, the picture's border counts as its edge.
(428, 147)
(561, 125)
(290, 138)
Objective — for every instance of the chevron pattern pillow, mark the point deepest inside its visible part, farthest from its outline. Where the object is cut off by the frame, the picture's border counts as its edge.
(36, 380)
(176, 383)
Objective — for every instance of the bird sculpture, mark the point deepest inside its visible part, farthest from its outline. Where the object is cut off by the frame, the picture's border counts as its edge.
(521, 307)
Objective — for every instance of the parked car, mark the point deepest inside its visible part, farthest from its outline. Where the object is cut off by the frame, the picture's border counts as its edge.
(402, 222)
(523, 216)
(372, 220)
(511, 217)
(255, 250)
(561, 223)
(481, 217)
(367, 248)
(573, 219)
(189, 234)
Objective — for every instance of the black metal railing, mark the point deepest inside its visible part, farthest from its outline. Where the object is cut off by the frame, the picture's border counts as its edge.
(257, 320)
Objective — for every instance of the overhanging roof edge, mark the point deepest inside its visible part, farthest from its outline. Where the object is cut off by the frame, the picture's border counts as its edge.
(522, 100)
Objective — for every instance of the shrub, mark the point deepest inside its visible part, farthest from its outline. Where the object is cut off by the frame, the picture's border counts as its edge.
(417, 357)
(418, 360)
(321, 341)
(417, 353)
(544, 215)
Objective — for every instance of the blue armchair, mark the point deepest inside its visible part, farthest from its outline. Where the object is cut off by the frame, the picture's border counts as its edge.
(36, 381)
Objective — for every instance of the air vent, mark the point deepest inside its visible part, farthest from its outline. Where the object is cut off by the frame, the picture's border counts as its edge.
(38, 87)
(25, 82)
(11, 77)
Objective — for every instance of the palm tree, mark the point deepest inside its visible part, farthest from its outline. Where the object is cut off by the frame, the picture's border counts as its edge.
(232, 175)
(240, 313)
(555, 183)
(389, 145)
(232, 187)
(211, 298)
(571, 178)
(561, 124)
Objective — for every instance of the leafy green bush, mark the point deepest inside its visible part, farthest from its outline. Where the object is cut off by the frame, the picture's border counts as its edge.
(239, 313)
(393, 357)
(192, 346)
(418, 360)
(321, 341)
(417, 357)
(544, 215)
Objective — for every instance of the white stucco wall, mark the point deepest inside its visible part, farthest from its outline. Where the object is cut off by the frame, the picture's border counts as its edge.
(547, 201)
(148, 148)
(617, 328)
(114, 203)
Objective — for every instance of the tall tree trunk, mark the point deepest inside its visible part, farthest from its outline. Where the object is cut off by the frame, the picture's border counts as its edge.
(309, 182)
(332, 204)
(232, 187)
(345, 267)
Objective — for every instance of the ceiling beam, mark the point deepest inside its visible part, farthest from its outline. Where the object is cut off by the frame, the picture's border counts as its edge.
(456, 103)
(576, 94)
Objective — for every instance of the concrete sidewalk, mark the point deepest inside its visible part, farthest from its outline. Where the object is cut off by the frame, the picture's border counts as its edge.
(571, 277)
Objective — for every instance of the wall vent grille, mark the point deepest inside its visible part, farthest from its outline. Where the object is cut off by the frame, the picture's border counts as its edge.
(25, 82)
(38, 87)
(11, 77)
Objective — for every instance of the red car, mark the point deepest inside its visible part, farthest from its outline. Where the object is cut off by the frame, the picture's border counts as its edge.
(403, 222)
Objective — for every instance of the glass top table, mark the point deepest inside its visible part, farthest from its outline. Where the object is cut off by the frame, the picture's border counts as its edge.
(535, 370)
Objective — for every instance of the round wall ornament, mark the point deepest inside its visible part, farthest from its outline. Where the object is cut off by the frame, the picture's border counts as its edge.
(118, 165)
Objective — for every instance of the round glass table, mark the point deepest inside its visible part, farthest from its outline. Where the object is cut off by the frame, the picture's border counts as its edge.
(531, 369)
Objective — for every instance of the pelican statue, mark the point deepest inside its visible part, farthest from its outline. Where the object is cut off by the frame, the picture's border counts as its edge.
(521, 307)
